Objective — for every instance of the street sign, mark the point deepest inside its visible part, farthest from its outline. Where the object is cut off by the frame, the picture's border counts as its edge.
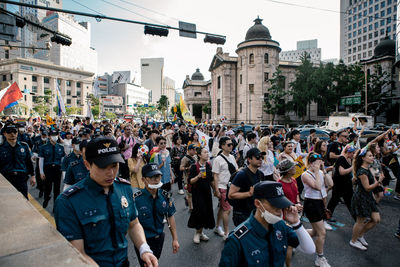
(350, 100)
(187, 29)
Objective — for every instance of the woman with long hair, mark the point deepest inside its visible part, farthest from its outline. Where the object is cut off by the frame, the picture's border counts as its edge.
(267, 165)
(135, 165)
(376, 170)
(363, 204)
(194, 139)
(314, 207)
(201, 179)
(177, 153)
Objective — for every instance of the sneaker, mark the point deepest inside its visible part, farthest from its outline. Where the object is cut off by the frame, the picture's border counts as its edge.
(219, 231)
(396, 197)
(327, 226)
(363, 241)
(331, 220)
(358, 245)
(397, 235)
(203, 237)
(225, 237)
(180, 192)
(186, 202)
(322, 262)
(196, 238)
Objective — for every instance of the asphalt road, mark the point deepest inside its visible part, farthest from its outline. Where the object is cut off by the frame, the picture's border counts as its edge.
(384, 248)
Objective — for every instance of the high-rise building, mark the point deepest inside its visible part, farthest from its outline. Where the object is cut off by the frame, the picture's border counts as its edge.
(152, 74)
(363, 23)
(168, 89)
(308, 46)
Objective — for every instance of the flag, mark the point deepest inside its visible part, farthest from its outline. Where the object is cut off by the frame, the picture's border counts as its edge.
(89, 112)
(9, 96)
(60, 102)
(186, 113)
(49, 120)
(175, 117)
(203, 139)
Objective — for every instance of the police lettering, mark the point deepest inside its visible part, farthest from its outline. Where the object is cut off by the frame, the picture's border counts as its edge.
(107, 150)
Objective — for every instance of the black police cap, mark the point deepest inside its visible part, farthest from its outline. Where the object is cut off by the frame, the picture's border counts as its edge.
(273, 193)
(103, 151)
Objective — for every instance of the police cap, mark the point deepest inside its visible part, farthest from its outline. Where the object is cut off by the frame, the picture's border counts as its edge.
(103, 151)
(150, 170)
(273, 192)
(76, 141)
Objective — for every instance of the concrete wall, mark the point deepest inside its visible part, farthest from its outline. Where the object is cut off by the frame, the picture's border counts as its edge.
(27, 238)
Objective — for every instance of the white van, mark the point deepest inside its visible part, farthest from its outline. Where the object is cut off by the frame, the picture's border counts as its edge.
(341, 120)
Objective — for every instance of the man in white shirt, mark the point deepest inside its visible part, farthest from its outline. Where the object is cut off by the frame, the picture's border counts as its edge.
(296, 141)
(222, 175)
(251, 143)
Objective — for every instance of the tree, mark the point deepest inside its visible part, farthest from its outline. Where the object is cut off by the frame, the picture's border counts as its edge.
(73, 110)
(110, 115)
(207, 108)
(94, 105)
(273, 103)
(324, 96)
(303, 88)
(162, 105)
(41, 107)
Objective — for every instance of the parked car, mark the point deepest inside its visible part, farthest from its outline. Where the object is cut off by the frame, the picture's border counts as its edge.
(322, 134)
(247, 128)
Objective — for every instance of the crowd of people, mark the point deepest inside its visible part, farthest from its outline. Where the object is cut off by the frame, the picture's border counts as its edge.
(263, 177)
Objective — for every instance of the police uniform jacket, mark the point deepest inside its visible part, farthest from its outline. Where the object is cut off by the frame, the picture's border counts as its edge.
(251, 244)
(52, 154)
(25, 138)
(75, 172)
(15, 159)
(84, 212)
(152, 211)
(37, 142)
(71, 157)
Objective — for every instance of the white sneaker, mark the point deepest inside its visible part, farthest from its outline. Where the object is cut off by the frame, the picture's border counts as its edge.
(327, 226)
(363, 241)
(203, 237)
(196, 238)
(322, 262)
(218, 230)
(180, 192)
(225, 237)
(358, 245)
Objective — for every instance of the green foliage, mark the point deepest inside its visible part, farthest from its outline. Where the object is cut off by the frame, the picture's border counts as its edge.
(178, 111)
(207, 108)
(162, 105)
(110, 115)
(94, 105)
(73, 110)
(273, 103)
(95, 110)
(150, 111)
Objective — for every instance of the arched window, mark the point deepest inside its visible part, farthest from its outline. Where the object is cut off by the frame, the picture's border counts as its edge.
(266, 58)
(251, 59)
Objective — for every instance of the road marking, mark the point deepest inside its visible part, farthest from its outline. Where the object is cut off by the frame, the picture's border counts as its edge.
(41, 210)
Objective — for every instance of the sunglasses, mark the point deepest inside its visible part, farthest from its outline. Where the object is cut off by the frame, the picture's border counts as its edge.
(230, 144)
(257, 157)
(316, 156)
(11, 131)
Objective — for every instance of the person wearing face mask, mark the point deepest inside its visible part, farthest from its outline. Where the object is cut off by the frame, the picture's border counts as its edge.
(50, 158)
(264, 237)
(67, 143)
(23, 136)
(74, 155)
(39, 141)
(76, 170)
(156, 208)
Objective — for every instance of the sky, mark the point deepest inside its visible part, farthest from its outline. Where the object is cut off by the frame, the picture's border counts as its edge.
(120, 46)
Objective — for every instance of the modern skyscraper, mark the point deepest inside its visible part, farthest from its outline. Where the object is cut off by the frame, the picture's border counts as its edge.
(363, 23)
(308, 46)
(152, 73)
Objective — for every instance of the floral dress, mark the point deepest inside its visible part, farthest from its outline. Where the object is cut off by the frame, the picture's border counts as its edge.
(363, 202)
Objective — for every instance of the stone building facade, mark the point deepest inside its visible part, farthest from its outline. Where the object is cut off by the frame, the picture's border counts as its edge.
(240, 83)
(197, 94)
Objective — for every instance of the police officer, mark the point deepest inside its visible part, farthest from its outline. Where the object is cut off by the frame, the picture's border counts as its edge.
(39, 141)
(23, 136)
(77, 169)
(96, 213)
(71, 157)
(50, 157)
(262, 239)
(155, 207)
(15, 160)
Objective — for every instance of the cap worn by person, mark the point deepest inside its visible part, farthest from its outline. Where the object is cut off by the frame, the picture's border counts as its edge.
(8, 127)
(53, 132)
(150, 170)
(350, 148)
(273, 193)
(285, 166)
(103, 151)
(254, 152)
(191, 146)
(87, 131)
(76, 141)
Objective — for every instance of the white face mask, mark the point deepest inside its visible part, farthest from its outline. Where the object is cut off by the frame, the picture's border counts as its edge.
(76, 147)
(44, 139)
(21, 130)
(155, 186)
(269, 217)
(54, 138)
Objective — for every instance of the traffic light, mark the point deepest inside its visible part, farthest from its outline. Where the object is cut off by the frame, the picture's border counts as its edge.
(155, 30)
(61, 39)
(19, 22)
(214, 39)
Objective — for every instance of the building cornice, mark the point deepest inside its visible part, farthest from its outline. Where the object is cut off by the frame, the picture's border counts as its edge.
(43, 64)
(258, 43)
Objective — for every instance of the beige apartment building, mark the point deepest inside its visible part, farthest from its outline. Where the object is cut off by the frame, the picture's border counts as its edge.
(38, 78)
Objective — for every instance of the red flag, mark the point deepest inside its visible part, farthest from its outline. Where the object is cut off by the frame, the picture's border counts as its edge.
(9, 95)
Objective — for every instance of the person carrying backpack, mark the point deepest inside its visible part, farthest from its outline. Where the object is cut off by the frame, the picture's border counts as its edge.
(241, 189)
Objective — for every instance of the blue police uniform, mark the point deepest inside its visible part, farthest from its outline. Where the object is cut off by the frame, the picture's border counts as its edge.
(25, 138)
(251, 244)
(75, 172)
(71, 157)
(16, 164)
(152, 214)
(52, 155)
(101, 220)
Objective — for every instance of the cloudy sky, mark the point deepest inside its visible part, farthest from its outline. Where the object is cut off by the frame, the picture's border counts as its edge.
(121, 45)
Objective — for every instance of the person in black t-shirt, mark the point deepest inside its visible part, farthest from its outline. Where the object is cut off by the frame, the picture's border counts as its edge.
(241, 189)
(342, 184)
(335, 148)
(276, 139)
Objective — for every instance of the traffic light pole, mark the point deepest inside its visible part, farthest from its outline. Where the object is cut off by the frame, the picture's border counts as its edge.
(100, 17)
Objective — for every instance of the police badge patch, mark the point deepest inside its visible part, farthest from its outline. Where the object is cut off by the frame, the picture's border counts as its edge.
(124, 202)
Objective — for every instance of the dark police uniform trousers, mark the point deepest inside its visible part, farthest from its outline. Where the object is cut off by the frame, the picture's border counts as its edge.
(37, 143)
(52, 155)
(84, 211)
(153, 212)
(251, 244)
(16, 164)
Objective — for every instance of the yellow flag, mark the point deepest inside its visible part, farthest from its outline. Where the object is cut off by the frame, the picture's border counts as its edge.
(186, 113)
(49, 120)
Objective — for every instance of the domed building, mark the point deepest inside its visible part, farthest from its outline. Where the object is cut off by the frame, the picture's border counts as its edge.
(383, 62)
(196, 94)
(239, 84)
